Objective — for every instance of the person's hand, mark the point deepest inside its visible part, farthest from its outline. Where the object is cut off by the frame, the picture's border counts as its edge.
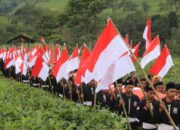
(82, 96)
(147, 106)
(121, 102)
(162, 106)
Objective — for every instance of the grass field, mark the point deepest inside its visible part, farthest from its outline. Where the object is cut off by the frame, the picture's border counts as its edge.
(25, 108)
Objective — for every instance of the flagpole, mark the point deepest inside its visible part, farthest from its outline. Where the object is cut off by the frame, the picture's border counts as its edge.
(64, 96)
(81, 89)
(78, 93)
(77, 90)
(82, 94)
(145, 96)
(124, 109)
(95, 96)
(50, 83)
(70, 90)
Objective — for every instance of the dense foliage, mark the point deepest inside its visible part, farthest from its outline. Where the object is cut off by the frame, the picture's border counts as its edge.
(83, 20)
(23, 107)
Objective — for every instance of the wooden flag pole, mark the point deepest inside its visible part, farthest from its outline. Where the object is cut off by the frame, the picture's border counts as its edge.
(64, 95)
(145, 96)
(82, 94)
(124, 109)
(95, 96)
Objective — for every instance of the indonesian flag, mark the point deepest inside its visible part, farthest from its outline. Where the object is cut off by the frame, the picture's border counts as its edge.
(135, 51)
(18, 62)
(88, 76)
(73, 61)
(8, 63)
(163, 63)
(23, 68)
(126, 39)
(24, 64)
(32, 61)
(122, 66)
(42, 51)
(41, 39)
(109, 46)
(33, 54)
(57, 52)
(85, 55)
(51, 55)
(147, 32)
(59, 70)
(4, 54)
(152, 52)
(131, 44)
(40, 69)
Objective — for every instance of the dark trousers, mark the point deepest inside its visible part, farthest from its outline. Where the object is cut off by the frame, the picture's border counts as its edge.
(134, 125)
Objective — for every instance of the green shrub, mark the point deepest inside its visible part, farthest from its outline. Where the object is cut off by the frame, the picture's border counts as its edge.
(25, 108)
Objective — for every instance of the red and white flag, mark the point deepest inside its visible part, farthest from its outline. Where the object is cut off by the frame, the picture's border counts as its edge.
(73, 61)
(32, 61)
(57, 52)
(59, 70)
(41, 39)
(109, 46)
(84, 57)
(126, 39)
(88, 76)
(147, 32)
(43, 52)
(9, 59)
(23, 68)
(24, 65)
(131, 45)
(40, 69)
(33, 54)
(162, 64)
(51, 55)
(8, 63)
(18, 62)
(152, 52)
(135, 51)
(117, 70)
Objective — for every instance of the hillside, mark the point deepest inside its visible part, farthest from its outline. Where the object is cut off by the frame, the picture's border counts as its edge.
(51, 19)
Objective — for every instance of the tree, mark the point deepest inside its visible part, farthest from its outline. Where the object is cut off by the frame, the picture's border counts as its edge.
(145, 6)
(32, 12)
(83, 20)
(128, 6)
(173, 19)
(160, 25)
(162, 7)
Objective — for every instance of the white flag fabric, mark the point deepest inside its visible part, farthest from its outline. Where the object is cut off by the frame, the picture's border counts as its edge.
(117, 70)
(151, 53)
(162, 64)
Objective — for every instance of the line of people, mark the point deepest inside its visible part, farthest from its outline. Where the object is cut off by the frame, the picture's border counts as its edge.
(144, 112)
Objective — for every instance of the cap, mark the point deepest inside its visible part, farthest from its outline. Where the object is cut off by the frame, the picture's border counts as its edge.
(170, 85)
